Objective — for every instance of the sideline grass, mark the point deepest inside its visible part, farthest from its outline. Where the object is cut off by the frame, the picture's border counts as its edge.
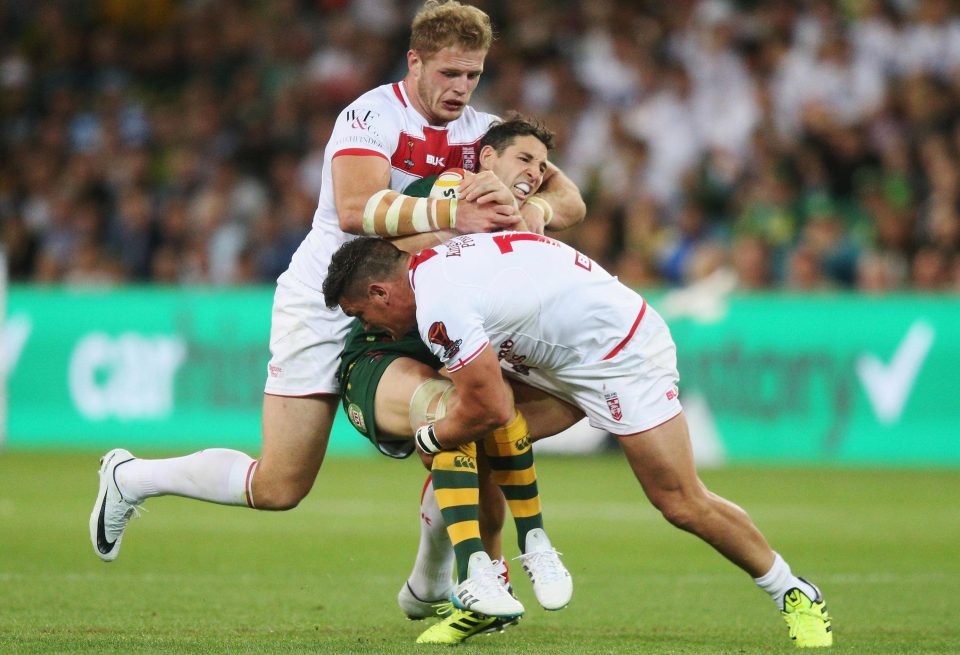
(198, 578)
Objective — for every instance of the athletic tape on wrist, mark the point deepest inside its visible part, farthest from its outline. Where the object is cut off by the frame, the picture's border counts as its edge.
(390, 214)
(543, 205)
(427, 439)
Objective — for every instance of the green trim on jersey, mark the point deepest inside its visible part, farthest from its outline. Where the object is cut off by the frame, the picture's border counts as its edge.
(365, 357)
(421, 188)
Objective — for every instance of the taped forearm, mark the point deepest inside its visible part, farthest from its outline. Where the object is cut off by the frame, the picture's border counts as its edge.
(389, 214)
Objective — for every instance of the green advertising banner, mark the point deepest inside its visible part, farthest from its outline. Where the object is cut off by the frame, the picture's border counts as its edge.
(141, 368)
(834, 378)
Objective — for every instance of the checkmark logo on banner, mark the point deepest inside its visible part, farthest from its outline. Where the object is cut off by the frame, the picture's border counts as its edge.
(888, 386)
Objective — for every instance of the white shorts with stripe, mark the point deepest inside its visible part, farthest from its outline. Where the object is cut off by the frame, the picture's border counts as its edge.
(306, 339)
(633, 391)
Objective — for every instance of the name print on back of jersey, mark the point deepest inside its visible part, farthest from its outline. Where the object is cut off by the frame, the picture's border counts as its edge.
(516, 362)
(455, 246)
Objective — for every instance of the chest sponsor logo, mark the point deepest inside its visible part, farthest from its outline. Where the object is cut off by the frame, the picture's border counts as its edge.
(431, 154)
(438, 335)
(613, 404)
(360, 120)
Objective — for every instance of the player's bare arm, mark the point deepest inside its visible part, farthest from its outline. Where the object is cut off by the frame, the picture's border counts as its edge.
(365, 205)
(484, 402)
(557, 205)
(355, 179)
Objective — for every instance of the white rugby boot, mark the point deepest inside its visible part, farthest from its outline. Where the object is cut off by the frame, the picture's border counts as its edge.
(552, 583)
(112, 511)
(485, 590)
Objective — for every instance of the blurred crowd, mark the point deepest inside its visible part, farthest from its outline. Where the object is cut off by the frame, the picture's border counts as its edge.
(807, 145)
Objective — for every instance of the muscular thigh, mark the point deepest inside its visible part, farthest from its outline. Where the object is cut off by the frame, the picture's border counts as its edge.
(295, 436)
(395, 390)
(662, 458)
(546, 415)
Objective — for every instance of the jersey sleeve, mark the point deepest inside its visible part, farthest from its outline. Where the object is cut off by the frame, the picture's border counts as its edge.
(364, 128)
(450, 325)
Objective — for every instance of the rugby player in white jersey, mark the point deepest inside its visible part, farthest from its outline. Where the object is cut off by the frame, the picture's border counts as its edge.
(383, 141)
(532, 308)
(391, 386)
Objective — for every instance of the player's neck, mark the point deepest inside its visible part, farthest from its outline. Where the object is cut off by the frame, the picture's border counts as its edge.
(409, 88)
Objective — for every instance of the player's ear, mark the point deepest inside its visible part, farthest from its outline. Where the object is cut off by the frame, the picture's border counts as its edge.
(375, 291)
(414, 62)
(488, 155)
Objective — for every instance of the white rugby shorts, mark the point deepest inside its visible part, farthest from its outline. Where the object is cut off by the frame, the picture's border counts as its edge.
(633, 391)
(306, 339)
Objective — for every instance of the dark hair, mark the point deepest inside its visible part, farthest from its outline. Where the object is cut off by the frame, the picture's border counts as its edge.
(357, 263)
(502, 134)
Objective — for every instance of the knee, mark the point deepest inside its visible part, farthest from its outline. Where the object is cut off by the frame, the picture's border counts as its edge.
(278, 496)
(684, 510)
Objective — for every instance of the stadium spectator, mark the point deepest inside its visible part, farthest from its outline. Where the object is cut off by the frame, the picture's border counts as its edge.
(711, 97)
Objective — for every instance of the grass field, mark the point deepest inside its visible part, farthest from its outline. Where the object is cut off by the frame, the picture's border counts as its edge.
(198, 578)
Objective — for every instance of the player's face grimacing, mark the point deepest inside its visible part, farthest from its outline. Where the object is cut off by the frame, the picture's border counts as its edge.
(390, 312)
(520, 167)
(445, 81)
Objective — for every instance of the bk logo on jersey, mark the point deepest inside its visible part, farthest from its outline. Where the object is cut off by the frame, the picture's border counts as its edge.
(438, 335)
(433, 160)
(613, 404)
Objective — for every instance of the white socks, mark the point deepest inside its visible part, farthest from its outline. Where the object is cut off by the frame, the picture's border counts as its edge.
(779, 580)
(217, 475)
(432, 575)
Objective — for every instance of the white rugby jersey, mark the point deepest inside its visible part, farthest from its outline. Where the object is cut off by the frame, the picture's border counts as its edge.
(383, 123)
(539, 302)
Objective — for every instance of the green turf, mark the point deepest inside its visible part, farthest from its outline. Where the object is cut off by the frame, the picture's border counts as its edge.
(198, 578)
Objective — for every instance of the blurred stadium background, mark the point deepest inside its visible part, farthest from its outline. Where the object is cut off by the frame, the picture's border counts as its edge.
(781, 179)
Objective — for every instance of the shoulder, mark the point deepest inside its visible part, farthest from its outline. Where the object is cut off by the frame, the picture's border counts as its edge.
(472, 124)
(380, 102)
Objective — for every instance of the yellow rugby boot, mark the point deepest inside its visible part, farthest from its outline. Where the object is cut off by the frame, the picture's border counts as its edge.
(463, 624)
(808, 623)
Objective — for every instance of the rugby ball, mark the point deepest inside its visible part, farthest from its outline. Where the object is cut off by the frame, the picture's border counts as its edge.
(446, 183)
